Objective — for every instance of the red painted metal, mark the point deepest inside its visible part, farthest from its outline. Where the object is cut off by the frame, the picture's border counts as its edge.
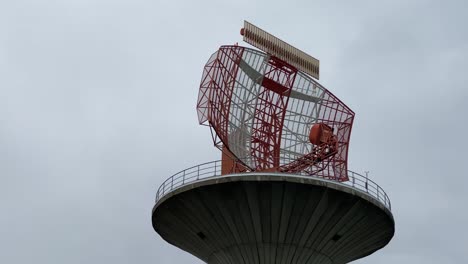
(269, 113)
(216, 91)
(261, 110)
(326, 146)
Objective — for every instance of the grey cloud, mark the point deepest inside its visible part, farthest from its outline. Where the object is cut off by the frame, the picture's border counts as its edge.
(97, 108)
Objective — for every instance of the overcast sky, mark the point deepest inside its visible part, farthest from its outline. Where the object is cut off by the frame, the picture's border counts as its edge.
(97, 108)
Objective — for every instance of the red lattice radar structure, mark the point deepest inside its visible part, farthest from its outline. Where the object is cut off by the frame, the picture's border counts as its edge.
(270, 116)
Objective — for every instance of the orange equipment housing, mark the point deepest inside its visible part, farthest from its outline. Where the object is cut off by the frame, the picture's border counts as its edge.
(320, 133)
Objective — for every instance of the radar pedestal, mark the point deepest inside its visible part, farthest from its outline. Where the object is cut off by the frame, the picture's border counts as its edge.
(272, 218)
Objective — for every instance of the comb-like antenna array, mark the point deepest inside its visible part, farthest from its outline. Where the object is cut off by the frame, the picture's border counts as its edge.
(272, 45)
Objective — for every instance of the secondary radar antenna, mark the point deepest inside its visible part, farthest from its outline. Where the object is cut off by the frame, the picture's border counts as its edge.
(265, 41)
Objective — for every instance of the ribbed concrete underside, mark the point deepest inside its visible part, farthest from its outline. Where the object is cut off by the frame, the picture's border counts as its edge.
(259, 221)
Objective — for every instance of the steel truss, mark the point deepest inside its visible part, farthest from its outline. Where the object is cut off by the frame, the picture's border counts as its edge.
(260, 109)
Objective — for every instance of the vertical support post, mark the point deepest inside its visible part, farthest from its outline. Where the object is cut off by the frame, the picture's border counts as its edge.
(367, 180)
(215, 167)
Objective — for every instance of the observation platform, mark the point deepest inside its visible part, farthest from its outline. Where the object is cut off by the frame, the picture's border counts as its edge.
(271, 217)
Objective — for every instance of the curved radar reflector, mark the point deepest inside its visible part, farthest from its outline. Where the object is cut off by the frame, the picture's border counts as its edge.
(270, 116)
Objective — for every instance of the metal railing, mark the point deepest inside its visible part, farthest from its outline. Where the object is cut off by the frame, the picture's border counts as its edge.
(213, 169)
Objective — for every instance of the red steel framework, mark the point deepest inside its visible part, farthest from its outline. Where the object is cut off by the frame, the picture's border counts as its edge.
(261, 111)
(269, 114)
(216, 87)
